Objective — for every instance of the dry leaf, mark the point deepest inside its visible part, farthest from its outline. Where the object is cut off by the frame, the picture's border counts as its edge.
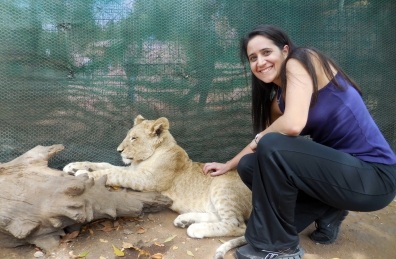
(103, 241)
(101, 257)
(95, 223)
(158, 244)
(119, 228)
(91, 231)
(107, 226)
(175, 247)
(190, 253)
(69, 237)
(222, 241)
(106, 229)
(141, 230)
(117, 251)
(126, 245)
(157, 256)
(132, 219)
(107, 223)
(115, 187)
(143, 253)
(170, 238)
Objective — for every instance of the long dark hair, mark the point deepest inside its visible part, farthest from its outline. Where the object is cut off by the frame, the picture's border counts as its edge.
(263, 93)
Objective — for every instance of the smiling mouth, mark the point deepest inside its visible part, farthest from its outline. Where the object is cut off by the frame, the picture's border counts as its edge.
(266, 70)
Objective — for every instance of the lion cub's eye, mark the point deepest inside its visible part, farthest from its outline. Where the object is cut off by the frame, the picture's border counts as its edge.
(133, 139)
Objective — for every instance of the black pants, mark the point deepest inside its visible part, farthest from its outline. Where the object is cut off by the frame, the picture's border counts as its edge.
(294, 181)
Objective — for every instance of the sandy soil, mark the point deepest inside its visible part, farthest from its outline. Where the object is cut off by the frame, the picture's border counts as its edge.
(363, 236)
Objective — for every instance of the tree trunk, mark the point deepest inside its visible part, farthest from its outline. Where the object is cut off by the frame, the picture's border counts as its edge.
(38, 202)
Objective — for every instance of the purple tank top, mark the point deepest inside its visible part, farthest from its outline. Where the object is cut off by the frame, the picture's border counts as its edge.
(340, 120)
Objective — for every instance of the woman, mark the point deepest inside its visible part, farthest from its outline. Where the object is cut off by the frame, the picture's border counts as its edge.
(348, 165)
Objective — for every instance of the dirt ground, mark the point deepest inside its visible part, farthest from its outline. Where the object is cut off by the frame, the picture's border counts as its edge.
(363, 236)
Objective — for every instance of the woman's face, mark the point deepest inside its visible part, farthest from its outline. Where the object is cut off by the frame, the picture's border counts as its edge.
(266, 59)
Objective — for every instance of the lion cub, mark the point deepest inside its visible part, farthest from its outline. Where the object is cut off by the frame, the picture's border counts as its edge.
(208, 206)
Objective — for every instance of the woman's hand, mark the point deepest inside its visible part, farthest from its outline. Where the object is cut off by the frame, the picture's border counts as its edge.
(216, 168)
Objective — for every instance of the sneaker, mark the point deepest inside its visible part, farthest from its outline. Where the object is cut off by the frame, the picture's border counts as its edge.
(248, 252)
(328, 227)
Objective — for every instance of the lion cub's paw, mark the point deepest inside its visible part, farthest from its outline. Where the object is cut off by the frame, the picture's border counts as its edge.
(72, 168)
(81, 172)
(197, 230)
(182, 221)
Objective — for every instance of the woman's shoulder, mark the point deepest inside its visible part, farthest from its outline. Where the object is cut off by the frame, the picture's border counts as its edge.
(314, 62)
(304, 56)
(294, 65)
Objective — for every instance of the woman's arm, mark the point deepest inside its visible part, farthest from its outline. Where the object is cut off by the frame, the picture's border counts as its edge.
(219, 168)
(298, 99)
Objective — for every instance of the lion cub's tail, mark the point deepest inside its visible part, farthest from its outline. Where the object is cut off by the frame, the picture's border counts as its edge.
(222, 250)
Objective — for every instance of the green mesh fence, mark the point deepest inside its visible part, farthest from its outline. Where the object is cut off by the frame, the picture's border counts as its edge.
(77, 72)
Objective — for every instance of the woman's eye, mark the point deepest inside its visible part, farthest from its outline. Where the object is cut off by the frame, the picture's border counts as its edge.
(267, 53)
(252, 59)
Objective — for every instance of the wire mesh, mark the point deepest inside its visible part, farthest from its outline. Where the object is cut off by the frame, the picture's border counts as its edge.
(78, 72)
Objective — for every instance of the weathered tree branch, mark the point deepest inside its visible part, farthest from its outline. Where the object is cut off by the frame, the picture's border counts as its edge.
(38, 202)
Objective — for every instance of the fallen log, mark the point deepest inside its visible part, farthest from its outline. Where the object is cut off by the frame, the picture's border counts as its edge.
(38, 203)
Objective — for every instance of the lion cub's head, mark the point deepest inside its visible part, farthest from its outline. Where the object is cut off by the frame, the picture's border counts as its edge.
(143, 139)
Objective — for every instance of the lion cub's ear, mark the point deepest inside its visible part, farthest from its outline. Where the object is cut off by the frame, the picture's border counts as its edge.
(138, 120)
(159, 125)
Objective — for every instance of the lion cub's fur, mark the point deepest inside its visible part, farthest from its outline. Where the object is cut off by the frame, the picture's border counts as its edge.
(208, 206)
